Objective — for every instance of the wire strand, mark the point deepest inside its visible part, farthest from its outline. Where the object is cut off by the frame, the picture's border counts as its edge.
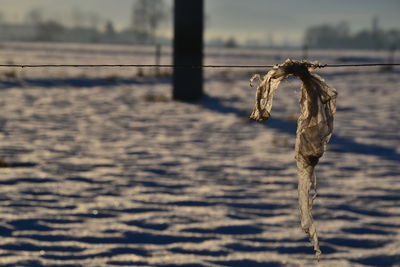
(179, 66)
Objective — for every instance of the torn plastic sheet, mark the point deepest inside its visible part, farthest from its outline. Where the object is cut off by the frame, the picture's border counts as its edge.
(315, 126)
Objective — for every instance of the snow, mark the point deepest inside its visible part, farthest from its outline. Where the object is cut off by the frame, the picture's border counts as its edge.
(110, 172)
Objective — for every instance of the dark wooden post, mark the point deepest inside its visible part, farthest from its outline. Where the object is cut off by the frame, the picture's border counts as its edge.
(188, 49)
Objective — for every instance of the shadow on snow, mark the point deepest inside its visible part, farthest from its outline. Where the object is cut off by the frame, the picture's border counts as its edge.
(338, 143)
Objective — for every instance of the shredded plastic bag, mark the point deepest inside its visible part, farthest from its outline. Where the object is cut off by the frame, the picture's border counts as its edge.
(315, 126)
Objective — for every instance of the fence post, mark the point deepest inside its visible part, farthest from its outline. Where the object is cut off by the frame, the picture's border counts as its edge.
(158, 59)
(305, 52)
(392, 52)
(188, 49)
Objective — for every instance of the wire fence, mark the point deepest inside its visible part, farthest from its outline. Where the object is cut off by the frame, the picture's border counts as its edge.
(183, 66)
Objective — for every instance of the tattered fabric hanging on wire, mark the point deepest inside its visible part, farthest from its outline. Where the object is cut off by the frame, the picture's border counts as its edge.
(315, 126)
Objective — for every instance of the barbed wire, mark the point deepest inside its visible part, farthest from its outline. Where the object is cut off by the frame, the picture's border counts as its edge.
(182, 66)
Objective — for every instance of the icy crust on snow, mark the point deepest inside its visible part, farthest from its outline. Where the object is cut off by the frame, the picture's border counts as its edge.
(115, 174)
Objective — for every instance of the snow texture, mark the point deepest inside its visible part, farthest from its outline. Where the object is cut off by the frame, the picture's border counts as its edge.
(315, 126)
(105, 171)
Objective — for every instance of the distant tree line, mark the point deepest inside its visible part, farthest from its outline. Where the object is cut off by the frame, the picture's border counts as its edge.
(147, 16)
(89, 27)
(339, 36)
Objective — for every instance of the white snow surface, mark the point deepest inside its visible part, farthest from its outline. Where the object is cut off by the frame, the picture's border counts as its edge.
(108, 171)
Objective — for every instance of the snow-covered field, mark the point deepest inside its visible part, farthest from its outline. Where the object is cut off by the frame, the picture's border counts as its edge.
(106, 170)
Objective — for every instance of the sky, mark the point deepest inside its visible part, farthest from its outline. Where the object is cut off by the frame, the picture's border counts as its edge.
(281, 20)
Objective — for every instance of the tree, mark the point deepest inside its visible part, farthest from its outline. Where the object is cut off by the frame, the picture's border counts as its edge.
(328, 36)
(109, 29)
(34, 16)
(2, 20)
(49, 31)
(78, 18)
(147, 16)
(231, 43)
(94, 19)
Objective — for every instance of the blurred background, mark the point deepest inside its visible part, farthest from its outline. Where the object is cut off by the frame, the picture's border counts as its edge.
(101, 167)
(266, 24)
